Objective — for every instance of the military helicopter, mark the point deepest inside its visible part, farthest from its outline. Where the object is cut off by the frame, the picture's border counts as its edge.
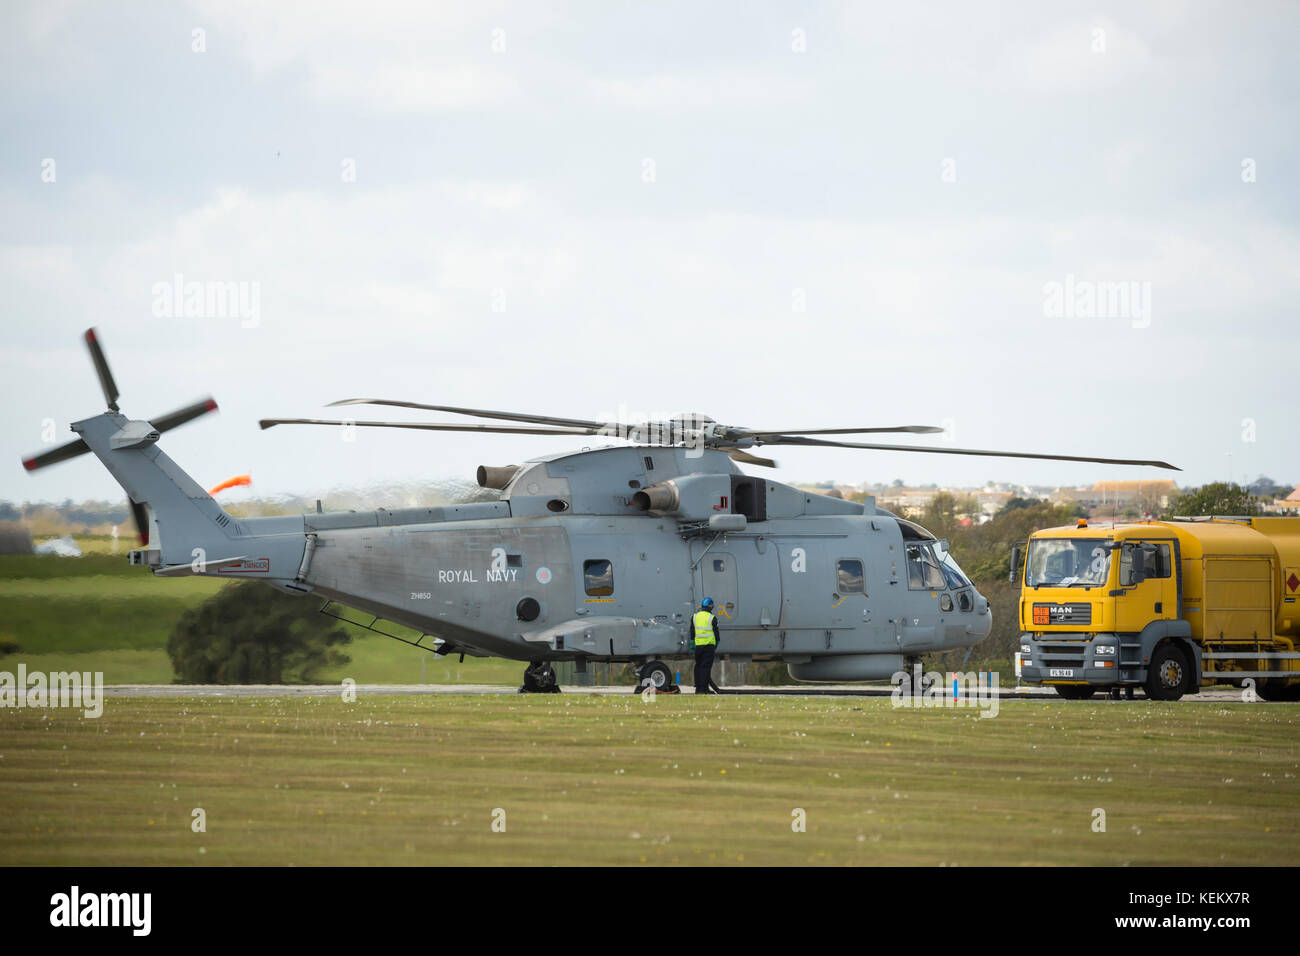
(600, 554)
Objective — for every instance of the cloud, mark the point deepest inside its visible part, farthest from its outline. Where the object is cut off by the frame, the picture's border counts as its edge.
(687, 91)
(1082, 56)
(387, 55)
(503, 251)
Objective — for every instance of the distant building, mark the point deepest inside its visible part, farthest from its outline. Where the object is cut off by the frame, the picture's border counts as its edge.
(991, 502)
(906, 501)
(1290, 505)
(1141, 496)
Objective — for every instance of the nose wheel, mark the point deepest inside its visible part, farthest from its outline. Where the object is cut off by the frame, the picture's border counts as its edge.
(539, 678)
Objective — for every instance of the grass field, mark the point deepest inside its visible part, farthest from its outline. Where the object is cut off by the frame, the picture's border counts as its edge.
(613, 780)
(97, 613)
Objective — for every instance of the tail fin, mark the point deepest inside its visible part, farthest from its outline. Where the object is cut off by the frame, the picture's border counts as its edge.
(186, 516)
(185, 529)
(161, 494)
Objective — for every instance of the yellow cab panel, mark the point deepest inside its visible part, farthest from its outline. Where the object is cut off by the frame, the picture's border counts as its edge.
(1081, 580)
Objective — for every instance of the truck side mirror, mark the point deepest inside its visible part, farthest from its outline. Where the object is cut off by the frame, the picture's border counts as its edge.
(1015, 564)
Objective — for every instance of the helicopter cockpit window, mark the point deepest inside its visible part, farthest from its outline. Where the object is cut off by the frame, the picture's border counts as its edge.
(598, 576)
(952, 573)
(849, 578)
(923, 573)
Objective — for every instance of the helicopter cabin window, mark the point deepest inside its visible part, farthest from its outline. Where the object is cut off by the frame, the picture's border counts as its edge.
(849, 578)
(923, 573)
(719, 565)
(598, 576)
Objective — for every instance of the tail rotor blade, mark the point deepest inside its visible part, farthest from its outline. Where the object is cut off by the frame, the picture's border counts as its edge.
(140, 513)
(55, 455)
(78, 447)
(101, 369)
(183, 415)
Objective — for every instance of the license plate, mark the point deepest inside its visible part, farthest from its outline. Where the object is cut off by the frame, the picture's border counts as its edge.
(1061, 672)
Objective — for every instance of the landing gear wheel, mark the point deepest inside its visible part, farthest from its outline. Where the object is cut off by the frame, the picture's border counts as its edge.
(539, 678)
(1075, 691)
(1169, 675)
(655, 674)
(909, 686)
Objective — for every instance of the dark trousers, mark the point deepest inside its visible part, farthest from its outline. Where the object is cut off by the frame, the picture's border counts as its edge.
(704, 666)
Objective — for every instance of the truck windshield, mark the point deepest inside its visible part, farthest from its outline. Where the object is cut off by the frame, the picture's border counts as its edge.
(1067, 562)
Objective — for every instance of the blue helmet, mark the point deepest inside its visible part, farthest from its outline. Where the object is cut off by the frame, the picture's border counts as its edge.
(706, 603)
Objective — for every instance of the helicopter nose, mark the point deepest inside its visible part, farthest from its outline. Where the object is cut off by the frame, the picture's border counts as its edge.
(980, 624)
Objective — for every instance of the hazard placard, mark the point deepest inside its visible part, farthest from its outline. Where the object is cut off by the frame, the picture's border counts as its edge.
(1291, 581)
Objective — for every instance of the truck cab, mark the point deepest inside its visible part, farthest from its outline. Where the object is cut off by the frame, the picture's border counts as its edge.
(1163, 605)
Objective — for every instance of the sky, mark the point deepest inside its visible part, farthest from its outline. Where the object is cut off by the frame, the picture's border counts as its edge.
(1060, 228)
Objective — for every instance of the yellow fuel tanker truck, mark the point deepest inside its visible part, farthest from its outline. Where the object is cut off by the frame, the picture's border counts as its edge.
(1170, 606)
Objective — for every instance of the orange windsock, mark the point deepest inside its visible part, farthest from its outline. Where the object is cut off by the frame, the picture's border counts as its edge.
(237, 481)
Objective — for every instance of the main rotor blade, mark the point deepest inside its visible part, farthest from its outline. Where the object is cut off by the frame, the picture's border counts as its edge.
(55, 455)
(911, 429)
(745, 458)
(479, 413)
(929, 449)
(426, 426)
(183, 415)
(101, 369)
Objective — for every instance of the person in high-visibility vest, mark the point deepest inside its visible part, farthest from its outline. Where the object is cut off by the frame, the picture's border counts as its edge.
(704, 634)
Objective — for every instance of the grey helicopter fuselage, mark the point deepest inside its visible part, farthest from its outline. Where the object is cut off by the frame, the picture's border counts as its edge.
(604, 554)
(597, 554)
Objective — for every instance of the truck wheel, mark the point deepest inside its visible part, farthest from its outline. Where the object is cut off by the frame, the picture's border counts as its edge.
(1075, 692)
(1169, 676)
